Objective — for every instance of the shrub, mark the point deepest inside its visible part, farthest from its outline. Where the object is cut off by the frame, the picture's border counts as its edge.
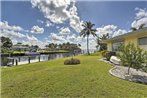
(4, 61)
(109, 54)
(145, 58)
(144, 69)
(71, 61)
(104, 53)
(132, 56)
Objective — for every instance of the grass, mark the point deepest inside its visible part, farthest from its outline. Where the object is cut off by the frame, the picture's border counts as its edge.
(18, 52)
(53, 51)
(95, 54)
(52, 79)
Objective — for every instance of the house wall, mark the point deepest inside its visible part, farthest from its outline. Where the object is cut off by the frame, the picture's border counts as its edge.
(135, 41)
(109, 46)
(132, 39)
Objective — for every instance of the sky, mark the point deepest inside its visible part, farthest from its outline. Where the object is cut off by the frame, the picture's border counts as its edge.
(40, 22)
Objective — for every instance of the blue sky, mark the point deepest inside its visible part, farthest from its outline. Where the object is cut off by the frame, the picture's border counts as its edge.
(22, 14)
(104, 13)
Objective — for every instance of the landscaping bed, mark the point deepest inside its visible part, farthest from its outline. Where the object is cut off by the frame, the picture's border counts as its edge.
(135, 76)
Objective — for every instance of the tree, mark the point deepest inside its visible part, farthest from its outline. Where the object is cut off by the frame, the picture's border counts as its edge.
(140, 27)
(88, 30)
(133, 29)
(19, 43)
(102, 46)
(52, 46)
(26, 45)
(6, 44)
(65, 46)
(79, 45)
(36, 46)
(131, 56)
(59, 46)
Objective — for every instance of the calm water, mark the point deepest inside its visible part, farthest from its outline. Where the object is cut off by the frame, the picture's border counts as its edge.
(19, 60)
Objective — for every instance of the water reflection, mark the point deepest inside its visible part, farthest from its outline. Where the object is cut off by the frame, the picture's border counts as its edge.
(18, 60)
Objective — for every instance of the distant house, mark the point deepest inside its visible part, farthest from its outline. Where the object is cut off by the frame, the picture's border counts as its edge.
(25, 48)
(138, 37)
(20, 48)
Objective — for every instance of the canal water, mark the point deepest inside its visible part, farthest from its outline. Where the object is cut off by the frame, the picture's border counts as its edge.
(19, 60)
(31, 58)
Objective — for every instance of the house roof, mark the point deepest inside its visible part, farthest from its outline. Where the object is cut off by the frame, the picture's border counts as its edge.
(122, 37)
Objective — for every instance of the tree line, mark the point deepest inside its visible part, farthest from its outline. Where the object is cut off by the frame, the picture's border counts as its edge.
(7, 46)
(64, 46)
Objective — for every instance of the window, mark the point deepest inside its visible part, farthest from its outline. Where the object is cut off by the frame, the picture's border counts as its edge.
(116, 45)
(142, 41)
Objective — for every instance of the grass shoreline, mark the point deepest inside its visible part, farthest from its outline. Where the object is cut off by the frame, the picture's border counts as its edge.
(53, 79)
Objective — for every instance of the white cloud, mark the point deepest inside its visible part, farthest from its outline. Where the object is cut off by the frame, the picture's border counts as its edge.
(48, 24)
(64, 31)
(5, 25)
(83, 41)
(37, 30)
(55, 37)
(141, 18)
(137, 23)
(32, 40)
(119, 32)
(54, 10)
(112, 30)
(59, 11)
(75, 22)
(106, 29)
(11, 31)
(92, 44)
(40, 21)
(14, 41)
(141, 13)
(71, 37)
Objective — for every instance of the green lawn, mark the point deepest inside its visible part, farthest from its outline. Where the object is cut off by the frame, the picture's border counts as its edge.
(19, 52)
(52, 79)
(53, 51)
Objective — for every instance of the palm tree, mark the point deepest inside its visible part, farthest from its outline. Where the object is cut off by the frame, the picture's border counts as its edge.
(133, 29)
(88, 30)
(140, 27)
(102, 46)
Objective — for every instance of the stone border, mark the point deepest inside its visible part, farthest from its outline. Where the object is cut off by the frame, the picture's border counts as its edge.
(120, 72)
(140, 77)
(110, 71)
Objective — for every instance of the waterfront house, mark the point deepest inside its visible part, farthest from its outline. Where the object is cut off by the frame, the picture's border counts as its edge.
(138, 37)
(20, 48)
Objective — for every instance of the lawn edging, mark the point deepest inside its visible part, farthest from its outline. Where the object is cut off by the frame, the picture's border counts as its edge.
(140, 77)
